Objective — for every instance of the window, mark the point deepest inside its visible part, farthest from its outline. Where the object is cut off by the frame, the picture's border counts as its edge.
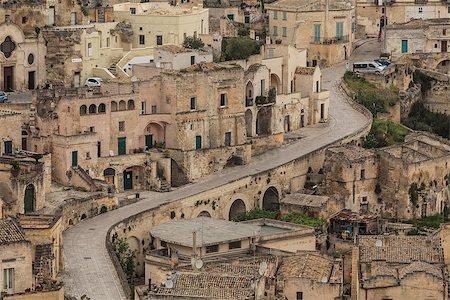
(83, 109)
(90, 51)
(8, 147)
(284, 31)
(154, 109)
(192, 60)
(299, 296)
(92, 129)
(316, 33)
(7, 47)
(444, 31)
(122, 105)
(198, 142)
(193, 103)
(113, 106)
(420, 10)
(159, 40)
(121, 126)
(92, 109)
(24, 20)
(270, 52)
(99, 149)
(130, 104)
(142, 108)
(141, 39)
(263, 87)
(31, 58)
(404, 46)
(230, 17)
(101, 108)
(364, 208)
(448, 9)
(275, 31)
(122, 146)
(284, 14)
(163, 244)
(246, 19)
(212, 248)
(74, 158)
(223, 100)
(363, 173)
(133, 10)
(234, 245)
(140, 28)
(8, 279)
(275, 15)
(339, 30)
(382, 10)
(88, 155)
(227, 139)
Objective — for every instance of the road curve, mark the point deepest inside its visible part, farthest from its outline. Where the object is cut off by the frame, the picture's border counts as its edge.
(88, 268)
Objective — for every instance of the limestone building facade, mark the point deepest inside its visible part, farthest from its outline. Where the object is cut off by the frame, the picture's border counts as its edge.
(325, 28)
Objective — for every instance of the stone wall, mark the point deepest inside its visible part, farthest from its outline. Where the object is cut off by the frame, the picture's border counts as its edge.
(18, 256)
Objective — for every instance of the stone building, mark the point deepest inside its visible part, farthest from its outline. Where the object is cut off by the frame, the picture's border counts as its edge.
(159, 23)
(15, 254)
(325, 28)
(402, 181)
(398, 267)
(372, 15)
(419, 36)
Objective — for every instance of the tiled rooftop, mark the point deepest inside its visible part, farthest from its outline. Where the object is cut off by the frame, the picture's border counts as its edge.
(10, 232)
(400, 249)
(308, 265)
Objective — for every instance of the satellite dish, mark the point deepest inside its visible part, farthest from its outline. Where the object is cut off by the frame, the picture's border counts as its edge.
(193, 261)
(324, 279)
(262, 268)
(199, 263)
(168, 284)
(378, 243)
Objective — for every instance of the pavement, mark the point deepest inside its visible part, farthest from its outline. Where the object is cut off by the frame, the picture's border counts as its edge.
(88, 268)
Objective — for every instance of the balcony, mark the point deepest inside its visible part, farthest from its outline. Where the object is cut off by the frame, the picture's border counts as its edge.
(329, 41)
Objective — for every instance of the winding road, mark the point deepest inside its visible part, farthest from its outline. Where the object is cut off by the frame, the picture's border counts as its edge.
(88, 268)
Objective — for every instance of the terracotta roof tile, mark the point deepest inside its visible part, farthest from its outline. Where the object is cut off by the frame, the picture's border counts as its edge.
(10, 232)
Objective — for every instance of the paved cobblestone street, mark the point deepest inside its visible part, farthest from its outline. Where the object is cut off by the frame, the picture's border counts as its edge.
(88, 269)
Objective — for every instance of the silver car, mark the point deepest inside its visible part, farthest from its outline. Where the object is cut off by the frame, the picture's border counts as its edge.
(368, 67)
(3, 97)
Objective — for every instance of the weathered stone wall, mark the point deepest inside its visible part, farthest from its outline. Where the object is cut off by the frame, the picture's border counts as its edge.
(18, 256)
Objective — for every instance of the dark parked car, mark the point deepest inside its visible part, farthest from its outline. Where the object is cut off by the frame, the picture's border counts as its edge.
(383, 62)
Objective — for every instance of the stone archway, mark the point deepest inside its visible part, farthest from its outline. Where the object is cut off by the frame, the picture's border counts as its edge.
(204, 214)
(30, 199)
(275, 82)
(271, 199)
(237, 207)
(110, 174)
(444, 66)
(249, 122)
(264, 121)
(154, 135)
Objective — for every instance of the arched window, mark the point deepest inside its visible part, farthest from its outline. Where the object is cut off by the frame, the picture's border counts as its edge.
(113, 106)
(92, 109)
(131, 104)
(122, 105)
(101, 108)
(83, 109)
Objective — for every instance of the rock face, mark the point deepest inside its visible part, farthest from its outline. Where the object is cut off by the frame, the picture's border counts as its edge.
(125, 30)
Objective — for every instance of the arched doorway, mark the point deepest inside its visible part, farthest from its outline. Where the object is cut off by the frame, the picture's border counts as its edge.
(237, 207)
(263, 121)
(154, 134)
(249, 122)
(109, 174)
(204, 214)
(249, 94)
(444, 66)
(30, 199)
(275, 82)
(271, 199)
(177, 175)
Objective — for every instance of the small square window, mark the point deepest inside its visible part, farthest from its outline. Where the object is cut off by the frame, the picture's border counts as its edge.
(121, 126)
(140, 28)
(420, 10)
(223, 100)
(133, 10)
(92, 129)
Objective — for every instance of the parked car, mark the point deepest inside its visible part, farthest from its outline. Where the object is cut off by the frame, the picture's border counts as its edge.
(383, 62)
(386, 56)
(93, 81)
(3, 97)
(367, 67)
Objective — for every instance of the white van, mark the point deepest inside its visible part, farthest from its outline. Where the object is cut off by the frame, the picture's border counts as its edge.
(93, 81)
(367, 67)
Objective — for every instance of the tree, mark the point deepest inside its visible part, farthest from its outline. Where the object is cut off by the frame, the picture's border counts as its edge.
(239, 48)
(193, 42)
(125, 255)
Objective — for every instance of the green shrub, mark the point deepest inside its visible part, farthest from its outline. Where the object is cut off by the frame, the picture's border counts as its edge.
(193, 42)
(297, 218)
(384, 133)
(239, 48)
(420, 118)
(255, 213)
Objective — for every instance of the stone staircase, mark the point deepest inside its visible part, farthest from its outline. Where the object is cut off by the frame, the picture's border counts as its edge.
(89, 183)
(112, 67)
(164, 186)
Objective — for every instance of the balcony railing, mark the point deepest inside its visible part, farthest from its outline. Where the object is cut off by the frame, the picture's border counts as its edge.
(329, 40)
